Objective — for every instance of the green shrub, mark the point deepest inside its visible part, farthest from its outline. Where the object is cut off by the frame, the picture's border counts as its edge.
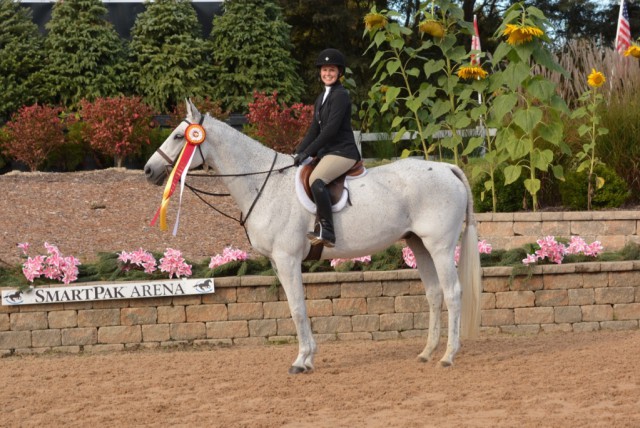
(510, 198)
(613, 194)
(65, 158)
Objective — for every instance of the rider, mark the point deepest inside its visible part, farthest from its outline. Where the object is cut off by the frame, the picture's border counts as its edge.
(330, 139)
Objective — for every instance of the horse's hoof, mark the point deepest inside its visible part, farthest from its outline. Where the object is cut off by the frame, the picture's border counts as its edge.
(296, 370)
(422, 359)
(446, 363)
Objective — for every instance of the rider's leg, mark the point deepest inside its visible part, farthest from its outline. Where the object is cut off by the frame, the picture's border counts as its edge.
(328, 169)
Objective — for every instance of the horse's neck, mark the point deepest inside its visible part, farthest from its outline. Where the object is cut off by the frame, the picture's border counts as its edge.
(235, 153)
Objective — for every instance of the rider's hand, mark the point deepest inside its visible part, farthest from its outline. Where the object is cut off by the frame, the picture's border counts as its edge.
(299, 158)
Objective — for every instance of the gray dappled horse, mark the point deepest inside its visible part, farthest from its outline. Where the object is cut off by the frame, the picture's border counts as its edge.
(425, 203)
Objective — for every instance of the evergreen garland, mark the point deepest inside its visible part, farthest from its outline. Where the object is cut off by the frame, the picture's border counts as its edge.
(168, 55)
(252, 52)
(20, 57)
(84, 54)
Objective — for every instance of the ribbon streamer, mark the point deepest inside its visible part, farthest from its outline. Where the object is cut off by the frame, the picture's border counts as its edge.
(195, 135)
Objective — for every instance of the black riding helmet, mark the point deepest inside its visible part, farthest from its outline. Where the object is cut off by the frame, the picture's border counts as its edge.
(332, 57)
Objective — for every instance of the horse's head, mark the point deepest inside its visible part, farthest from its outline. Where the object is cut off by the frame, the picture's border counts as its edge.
(161, 162)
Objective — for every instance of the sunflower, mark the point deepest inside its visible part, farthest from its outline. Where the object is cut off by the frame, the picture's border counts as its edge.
(633, 51)
(519, 34)
(596, 79)
(375, 21)
(431, 27)
(472, 72)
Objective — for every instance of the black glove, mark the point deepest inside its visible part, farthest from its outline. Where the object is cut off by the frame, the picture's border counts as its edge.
(299, 158)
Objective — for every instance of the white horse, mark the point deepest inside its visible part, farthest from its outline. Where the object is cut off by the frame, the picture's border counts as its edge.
(423, 202)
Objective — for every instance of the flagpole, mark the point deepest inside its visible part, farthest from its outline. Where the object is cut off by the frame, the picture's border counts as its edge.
(615, 43)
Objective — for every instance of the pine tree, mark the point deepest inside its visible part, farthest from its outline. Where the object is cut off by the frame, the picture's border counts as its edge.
(84, 54)
(169, 54)
(252, 51)
(20, 57)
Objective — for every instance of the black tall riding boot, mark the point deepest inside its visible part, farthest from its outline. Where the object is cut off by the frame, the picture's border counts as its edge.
(323, 233)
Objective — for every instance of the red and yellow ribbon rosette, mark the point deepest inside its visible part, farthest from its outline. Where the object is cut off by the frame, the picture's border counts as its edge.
(195, 135)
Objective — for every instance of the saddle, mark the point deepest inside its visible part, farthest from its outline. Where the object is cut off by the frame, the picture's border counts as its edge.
(336, 187)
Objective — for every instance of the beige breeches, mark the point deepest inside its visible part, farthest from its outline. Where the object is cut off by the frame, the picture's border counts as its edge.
(331, 167)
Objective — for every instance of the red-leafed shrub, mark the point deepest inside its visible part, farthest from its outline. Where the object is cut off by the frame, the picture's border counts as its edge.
(206, 104)
(118, 126)
(276, 125)
(32, 133)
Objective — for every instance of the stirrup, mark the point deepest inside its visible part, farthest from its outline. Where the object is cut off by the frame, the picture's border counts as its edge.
(316, 237)
(319, 240)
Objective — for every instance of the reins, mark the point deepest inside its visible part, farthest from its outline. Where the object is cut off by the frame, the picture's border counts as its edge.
(242, 220)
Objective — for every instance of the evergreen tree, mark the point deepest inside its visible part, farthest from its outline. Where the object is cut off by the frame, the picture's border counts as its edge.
(168, 53)
(84, 54)
(321, 24)
(20, 57)
(252, 52)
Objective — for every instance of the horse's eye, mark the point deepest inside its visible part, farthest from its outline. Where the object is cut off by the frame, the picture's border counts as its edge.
(178, 137)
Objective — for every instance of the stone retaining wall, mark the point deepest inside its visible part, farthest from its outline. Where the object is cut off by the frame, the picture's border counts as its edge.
(342, 306)
(614, 229)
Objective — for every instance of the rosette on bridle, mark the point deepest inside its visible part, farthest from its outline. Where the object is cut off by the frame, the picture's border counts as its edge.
(194, 135)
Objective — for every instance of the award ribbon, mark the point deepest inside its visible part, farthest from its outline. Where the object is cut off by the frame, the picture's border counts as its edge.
(195, 135)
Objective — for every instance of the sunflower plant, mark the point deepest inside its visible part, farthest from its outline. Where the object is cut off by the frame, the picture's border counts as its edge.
(591, 101)
(530, 128)
(423, 76)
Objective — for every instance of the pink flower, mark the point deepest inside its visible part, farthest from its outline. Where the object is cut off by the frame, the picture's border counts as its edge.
(139, 258)
(555, 252)
(24, 247)
(593, 249)
(484, 247)
(338, 262)
(550, 249)
(55, 266)
(409, 257)
(174, 264)
(229, 254)
(576, 245)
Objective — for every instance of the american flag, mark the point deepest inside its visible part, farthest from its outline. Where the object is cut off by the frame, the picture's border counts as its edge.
(475, 42)
(623, 35)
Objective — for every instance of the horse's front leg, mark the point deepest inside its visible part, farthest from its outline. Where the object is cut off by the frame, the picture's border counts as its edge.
(290, 275)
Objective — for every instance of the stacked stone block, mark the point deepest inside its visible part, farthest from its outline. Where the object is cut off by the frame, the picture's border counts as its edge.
(341, 306)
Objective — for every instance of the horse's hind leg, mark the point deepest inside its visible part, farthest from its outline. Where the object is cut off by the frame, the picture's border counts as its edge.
(452, 290)
(433, 291)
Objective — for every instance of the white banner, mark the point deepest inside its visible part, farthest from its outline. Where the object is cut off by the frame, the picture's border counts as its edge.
(108, 291)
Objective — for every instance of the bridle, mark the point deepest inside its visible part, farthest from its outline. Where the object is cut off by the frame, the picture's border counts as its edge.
(242, 219)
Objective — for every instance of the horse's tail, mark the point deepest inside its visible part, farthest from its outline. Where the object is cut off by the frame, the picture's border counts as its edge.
(469, 268)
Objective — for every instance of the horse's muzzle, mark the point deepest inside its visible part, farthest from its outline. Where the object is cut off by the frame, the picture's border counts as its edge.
(154, 177)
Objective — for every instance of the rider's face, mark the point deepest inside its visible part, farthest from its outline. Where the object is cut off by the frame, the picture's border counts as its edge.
(329, 74)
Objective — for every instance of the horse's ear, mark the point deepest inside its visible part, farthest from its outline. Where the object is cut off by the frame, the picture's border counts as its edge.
(193, 115)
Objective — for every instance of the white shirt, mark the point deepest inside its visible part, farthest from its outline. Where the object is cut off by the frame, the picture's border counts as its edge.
(326, 93)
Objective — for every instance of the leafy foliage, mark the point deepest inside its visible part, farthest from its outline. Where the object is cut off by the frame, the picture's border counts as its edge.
(168, 54)
(276, 125)
(117, 126)
(251, 51)
(525, 106)
(205, 104)
(20, 57)
(613, 192)
(32, 133)
(84, 54)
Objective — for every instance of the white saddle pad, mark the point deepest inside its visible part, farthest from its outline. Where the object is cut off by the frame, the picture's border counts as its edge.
(309, 204)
